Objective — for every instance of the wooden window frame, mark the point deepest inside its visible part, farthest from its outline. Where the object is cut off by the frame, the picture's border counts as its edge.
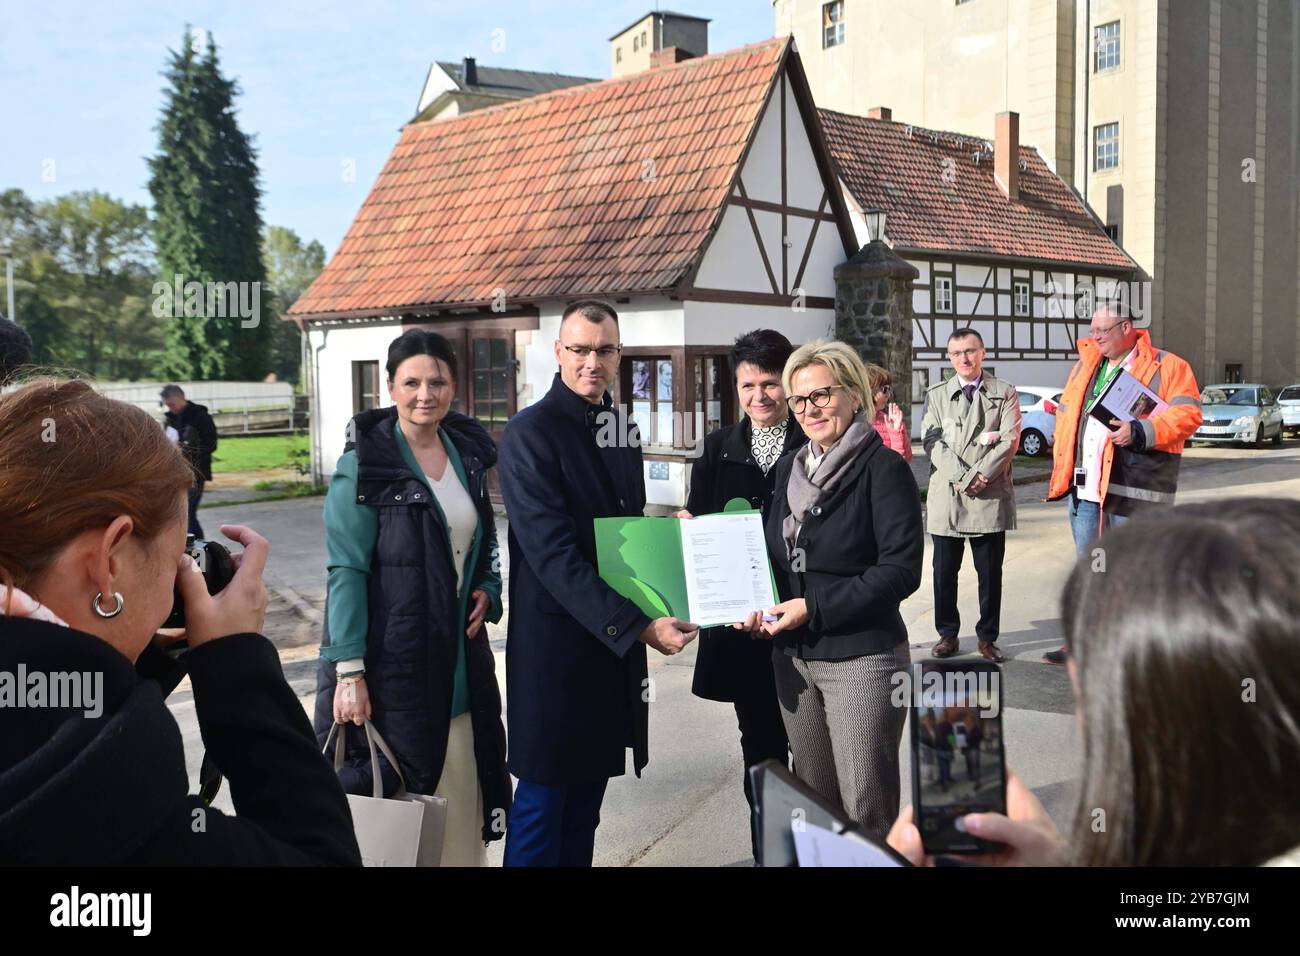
(1017, 286)
(951, 280)
(360, 367)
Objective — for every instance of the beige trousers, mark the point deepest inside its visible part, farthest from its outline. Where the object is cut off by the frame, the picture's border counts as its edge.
(462, 841)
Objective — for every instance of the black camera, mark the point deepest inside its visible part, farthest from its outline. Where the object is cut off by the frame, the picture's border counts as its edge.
(214, 561)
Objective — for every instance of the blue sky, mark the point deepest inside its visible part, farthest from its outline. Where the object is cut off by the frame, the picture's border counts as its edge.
(323, 82)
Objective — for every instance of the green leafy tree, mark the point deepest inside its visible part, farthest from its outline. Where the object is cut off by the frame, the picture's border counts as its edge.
(290, 268)
(83, 273)
(207, 219)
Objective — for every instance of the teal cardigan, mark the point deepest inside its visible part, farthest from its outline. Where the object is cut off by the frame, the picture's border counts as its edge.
(351, 531)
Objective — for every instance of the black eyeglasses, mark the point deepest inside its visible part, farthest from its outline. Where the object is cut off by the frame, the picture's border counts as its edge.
(604, 353)
(820, 397)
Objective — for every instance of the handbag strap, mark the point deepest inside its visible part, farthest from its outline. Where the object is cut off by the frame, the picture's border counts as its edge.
(373, 738)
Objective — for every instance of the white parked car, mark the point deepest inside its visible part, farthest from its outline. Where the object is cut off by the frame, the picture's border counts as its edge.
(1037, 418)
(1289, 401)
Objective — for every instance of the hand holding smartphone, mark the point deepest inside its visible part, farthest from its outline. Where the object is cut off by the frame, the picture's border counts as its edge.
(958, 763)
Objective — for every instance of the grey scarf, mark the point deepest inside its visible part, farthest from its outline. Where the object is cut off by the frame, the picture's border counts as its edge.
(804, 491)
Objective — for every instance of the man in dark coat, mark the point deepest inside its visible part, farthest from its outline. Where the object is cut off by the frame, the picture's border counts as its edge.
(576, 684)
(198, 440)
(739, 463)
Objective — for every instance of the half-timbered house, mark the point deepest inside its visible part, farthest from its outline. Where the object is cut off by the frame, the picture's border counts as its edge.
(698, 197)
(1002, 243)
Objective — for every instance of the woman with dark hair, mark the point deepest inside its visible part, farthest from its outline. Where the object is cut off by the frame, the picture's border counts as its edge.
(92, 765)
(737, 463)
(410, 536)
(1157, 642)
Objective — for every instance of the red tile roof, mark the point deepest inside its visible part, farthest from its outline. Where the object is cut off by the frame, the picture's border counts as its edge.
(611, 187)
(900, 169)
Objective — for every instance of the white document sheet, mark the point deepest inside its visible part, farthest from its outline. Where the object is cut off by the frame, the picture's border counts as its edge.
(817, 846)
(724, 557)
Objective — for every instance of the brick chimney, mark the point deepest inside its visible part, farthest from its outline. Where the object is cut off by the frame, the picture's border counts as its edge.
(668, 56)
(469, 72)
(1006, 154)
(880, 112)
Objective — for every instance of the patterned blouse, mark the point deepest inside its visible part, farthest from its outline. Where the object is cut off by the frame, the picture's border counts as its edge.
(766, 444)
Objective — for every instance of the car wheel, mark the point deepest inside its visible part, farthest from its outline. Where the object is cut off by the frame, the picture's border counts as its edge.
(1259, 436)
(1277, 439)
(1032, 443)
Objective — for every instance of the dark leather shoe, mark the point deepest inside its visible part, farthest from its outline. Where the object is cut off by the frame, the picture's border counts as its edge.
(1056, 657)
(989, 651)
(946, 647)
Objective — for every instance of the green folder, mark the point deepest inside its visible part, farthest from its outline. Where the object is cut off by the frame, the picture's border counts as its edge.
(641, 559)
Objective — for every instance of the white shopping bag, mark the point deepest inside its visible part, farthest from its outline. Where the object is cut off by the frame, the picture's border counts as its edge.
(403, 830)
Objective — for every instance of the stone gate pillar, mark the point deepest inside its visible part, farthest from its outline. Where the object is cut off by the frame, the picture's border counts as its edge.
(873, 314)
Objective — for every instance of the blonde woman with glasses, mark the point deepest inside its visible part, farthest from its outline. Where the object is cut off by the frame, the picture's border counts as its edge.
(846, 540)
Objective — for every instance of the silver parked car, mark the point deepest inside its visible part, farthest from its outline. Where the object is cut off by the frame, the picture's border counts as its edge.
(1037, 418)
(1289, 401)
(1247, 413)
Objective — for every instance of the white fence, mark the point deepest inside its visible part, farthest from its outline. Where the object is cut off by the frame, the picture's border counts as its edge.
(235, 406)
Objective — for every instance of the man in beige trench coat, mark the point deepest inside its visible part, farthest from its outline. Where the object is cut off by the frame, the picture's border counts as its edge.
(971, 430)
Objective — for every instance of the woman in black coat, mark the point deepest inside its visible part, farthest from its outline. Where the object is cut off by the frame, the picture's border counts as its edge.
(738, 462)
(845, 537)
(410, 537)
(92, 765)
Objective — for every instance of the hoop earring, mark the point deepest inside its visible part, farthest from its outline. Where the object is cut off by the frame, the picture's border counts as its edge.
(117, 609)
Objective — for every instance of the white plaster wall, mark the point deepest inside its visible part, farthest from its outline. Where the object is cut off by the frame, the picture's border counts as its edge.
(344, 345)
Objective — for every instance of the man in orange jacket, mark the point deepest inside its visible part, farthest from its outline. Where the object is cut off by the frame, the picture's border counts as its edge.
(1113, 472)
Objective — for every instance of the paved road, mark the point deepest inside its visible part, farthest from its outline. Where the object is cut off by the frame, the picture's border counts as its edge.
(688, 808)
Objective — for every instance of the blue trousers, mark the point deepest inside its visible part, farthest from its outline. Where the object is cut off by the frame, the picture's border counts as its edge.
(1088, 521)
(554, 825)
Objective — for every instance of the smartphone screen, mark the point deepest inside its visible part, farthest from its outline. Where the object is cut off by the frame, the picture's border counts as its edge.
(957, 755)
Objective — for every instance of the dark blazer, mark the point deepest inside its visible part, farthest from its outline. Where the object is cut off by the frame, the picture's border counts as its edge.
(575, 669)
(112, 789)
(730, 665)
(415, 629)
(862, 550)
(198, 435)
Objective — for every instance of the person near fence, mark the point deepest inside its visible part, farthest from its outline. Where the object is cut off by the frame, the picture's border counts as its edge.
(410, 537)
(197, 435)
(92, 763)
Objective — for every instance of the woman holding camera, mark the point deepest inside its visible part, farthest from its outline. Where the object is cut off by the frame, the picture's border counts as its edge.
(1156, 643)
(410, 536)
(92, 766)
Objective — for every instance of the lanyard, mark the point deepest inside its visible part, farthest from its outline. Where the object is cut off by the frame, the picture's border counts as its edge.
(1103, 382)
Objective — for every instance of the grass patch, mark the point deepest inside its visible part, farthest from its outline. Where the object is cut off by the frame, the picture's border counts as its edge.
(260, 452)
(288, 489)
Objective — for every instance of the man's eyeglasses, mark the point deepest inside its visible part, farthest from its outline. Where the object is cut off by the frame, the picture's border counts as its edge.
(1103, 332)
(820, 397)
(604, 353)
(964, 353)
(886, 389)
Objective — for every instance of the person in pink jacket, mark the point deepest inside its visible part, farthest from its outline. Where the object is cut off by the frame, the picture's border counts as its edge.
(889, 417)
